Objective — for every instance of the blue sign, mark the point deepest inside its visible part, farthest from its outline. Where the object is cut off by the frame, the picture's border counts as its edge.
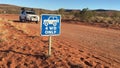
(50, 24)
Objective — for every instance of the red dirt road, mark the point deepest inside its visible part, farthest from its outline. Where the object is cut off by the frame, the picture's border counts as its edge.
(78, 46)
(101, 41)
(105, 40)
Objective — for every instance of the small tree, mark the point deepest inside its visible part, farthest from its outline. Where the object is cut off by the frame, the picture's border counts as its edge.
(61, 11)
(86, 14)
(77, 15)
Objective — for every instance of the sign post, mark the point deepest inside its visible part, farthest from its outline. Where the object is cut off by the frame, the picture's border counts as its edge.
(50, 44)
(50, 26)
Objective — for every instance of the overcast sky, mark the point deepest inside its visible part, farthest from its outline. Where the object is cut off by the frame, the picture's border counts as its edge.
(67, 4)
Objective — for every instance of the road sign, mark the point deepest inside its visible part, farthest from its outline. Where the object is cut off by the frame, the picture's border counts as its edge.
(50, 24)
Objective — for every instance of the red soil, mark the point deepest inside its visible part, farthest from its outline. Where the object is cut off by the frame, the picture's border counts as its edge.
(78, 46)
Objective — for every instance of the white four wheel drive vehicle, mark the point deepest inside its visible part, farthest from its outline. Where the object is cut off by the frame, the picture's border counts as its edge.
(29, 16)
(51, 20)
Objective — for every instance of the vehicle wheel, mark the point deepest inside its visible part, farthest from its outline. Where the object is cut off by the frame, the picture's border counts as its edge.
(20, 19)
(25, 19)
(30, 20)
(36, 22)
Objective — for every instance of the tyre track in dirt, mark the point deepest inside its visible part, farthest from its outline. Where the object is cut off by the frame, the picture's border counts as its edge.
(95, 58)
(87, 36)
(17, 52)
(63, 52)
(18, 48)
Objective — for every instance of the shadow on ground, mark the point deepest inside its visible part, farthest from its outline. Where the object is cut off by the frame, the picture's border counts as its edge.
(17, 21)
(40, 56)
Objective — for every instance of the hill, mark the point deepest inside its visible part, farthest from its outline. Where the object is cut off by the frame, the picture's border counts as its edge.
(5, 8)
(105, 18)
(13, 9)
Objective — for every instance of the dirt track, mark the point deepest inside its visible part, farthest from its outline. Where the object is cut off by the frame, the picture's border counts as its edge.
(80, 45)
(101, 41)
(105, 40)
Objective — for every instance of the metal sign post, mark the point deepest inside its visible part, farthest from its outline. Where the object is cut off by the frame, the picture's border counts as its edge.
(50, 26)
(50, 45)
